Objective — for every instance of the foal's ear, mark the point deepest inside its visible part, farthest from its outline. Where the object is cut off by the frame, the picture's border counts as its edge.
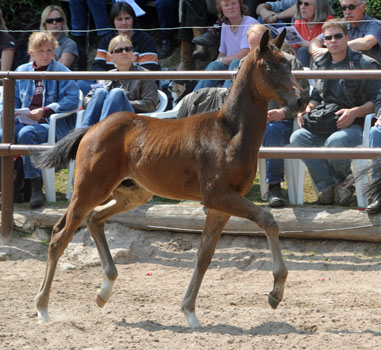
(278, 41)
(264, 41)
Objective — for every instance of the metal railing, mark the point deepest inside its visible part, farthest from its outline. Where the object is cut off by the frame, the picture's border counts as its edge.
(8, 149)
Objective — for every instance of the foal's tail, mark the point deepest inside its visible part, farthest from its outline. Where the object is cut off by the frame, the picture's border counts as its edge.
(63, 151)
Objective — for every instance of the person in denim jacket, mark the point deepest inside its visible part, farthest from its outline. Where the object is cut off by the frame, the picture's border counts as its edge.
(43, 98)
(356, 98)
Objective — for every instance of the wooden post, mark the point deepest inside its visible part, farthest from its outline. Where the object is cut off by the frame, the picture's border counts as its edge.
(7, 166)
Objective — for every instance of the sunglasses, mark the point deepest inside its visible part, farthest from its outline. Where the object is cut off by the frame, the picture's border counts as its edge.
(335, 36)
(349, 7)
(306, 4)
(121, 49)
(52, 20)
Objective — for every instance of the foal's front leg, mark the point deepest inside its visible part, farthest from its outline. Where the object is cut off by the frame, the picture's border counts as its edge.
(124, 198)
(236, 205)
(214, 224)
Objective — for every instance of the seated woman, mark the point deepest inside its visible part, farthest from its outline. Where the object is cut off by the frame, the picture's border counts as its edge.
(123, 17)
(233, 45)
(122, 95)
(309, 18)
(43, 98)
(53, 20)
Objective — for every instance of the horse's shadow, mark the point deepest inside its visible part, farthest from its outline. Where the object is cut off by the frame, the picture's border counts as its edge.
(266, 328)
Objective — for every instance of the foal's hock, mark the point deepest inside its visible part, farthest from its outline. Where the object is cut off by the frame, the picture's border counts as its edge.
(125, 159)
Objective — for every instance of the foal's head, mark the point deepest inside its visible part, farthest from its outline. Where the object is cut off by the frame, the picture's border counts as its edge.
(271, 74)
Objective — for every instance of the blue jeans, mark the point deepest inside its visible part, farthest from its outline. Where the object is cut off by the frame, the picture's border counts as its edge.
(216, 65)
(103, 103)
(375, 136)
(30, 135)
(327, 173)
(277, 134)
(79, 19)
(304, 56)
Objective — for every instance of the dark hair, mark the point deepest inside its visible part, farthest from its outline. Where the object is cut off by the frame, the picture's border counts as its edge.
(119, 7)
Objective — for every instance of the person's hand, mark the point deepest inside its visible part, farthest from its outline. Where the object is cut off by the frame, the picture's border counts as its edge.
(275, 115)
(36, 114)
(346, 118)
(318, 52)
(269, 16)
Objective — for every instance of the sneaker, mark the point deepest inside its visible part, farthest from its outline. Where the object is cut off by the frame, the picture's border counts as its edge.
(327, 197)
(275, 197)
(209, 38)
(344, 194)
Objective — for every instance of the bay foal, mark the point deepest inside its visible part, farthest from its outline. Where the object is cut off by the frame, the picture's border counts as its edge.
(125, 159)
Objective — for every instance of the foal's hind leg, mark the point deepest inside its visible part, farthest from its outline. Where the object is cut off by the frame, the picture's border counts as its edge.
(124, 198)
(62, 234)
(236, 205)
(214, 224)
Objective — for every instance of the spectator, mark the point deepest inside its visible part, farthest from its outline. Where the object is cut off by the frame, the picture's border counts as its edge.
(43, 98)
(123, 95)
(9, 52)
(79, 22)
(356, 98)
(53, 20)
(375, 141)
(124, 20)
(280, 11)
(167, 13)
(364, 31)
(309, 18)
(234, 45)
(193, 13)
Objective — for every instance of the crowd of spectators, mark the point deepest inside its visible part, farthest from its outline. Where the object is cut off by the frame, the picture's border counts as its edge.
(195, 26)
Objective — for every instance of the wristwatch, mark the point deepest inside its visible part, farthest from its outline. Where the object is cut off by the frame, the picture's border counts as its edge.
(221, 59)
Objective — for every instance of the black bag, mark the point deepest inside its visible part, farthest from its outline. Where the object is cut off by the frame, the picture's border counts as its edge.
(322, 119)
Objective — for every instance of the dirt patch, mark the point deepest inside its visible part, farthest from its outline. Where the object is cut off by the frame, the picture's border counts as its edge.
(332, 298)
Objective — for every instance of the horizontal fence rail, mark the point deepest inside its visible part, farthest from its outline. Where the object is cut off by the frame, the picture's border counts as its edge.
(8, 149)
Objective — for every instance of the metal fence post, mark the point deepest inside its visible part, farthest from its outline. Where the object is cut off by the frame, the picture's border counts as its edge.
(7, 161)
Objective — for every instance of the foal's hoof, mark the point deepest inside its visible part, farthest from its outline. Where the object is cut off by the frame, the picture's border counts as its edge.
(273, 301)
(100, 302)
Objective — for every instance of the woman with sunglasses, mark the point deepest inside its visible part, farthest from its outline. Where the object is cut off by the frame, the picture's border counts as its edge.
(53, 20)
(110, 96)
(309, 19)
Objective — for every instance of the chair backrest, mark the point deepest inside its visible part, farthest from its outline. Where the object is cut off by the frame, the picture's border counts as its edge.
(163, 101)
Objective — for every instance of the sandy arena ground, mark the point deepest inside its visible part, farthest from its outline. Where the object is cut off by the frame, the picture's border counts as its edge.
(332, 298)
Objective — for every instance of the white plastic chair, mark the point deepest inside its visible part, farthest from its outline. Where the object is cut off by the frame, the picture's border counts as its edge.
(159, 110)
(48, 175)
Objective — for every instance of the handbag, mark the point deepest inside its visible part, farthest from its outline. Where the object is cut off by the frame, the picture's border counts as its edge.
(322, 119)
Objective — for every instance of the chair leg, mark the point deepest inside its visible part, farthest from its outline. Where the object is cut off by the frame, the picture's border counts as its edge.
(70, 180)
(262, 178)
(48, 178)
(295, 171)
(358, 165)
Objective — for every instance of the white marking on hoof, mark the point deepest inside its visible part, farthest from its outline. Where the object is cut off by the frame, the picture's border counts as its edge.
(192, 319)
(43, 316)
(104, 293)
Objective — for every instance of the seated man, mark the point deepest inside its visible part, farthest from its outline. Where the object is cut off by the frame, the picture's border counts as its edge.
(375, 141)
(356, 99)
(364, 31)
(43, 98)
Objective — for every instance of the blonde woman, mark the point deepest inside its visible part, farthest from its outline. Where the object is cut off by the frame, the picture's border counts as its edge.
(112, 96)
(53, 20)
(43, 98)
